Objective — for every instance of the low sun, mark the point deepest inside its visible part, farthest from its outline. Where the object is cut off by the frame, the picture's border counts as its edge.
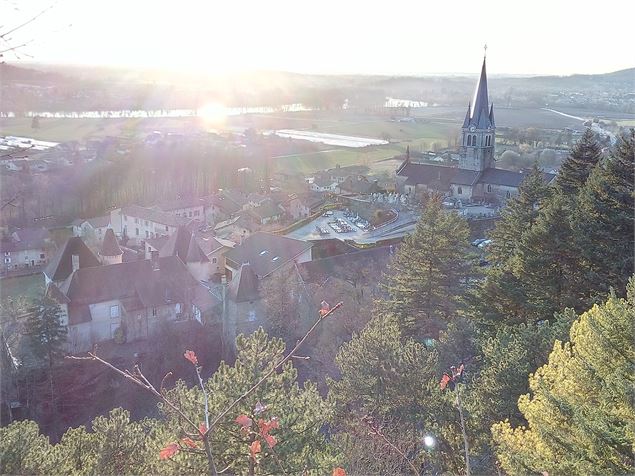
(212, 113)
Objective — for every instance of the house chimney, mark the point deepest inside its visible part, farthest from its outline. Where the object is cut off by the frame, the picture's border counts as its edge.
(154, 259)
(75, 261)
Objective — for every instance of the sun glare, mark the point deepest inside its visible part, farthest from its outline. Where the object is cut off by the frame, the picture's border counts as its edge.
(212, 113)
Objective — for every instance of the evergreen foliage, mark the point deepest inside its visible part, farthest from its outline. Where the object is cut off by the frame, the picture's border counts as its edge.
(573, 173)
(580, 412)
(429, 273)
(46, 331)
(604, 220)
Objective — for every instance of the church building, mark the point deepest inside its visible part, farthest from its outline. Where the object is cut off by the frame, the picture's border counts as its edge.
(476, 177)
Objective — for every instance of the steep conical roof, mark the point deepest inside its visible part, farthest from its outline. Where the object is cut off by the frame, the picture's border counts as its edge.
(244, 285)
(479, 111)
(110, 247)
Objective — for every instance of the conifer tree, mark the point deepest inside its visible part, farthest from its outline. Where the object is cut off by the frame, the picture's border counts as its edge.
(580, 412)
(518, 216)
(604, 220)
(429, 273)
(548, 264)
(575, 170)
(45, 329)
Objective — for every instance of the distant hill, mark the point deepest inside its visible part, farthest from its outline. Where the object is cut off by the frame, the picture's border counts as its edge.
(10, 72)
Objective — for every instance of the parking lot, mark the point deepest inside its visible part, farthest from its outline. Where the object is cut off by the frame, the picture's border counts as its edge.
(337, 225)
(325, 227)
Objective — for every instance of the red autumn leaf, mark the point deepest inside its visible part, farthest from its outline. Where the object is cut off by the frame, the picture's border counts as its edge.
(169, 451)
(267, 426)
(445, 380)
(202, 428)
(191, 356)
(271, 440)
(254, 449)
(244, 421)
(189, 442)
(339, 472)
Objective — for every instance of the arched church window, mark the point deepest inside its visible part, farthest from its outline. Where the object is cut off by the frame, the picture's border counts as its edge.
(508, 194)
(469, 140)
(474, 140)
(486, 141)
(460, 191)
(489, 188)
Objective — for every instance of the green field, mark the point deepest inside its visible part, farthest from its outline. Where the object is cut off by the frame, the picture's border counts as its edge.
(30, 286)
(418, 135)
(64, 129)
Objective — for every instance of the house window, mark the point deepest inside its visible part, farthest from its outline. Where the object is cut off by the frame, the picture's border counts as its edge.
(469, 140)
(460, 191)
(41, 255)
(7, 253)
(214, 260)
(136, 231)
(114, 311)
(489, 188)
(136, 220)
(190, 214)
(166, 228)
(147, 234)
(196, 213)
(7, 260)
(154, 312)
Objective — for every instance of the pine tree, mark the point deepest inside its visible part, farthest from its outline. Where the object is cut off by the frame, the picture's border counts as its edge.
(575, 170)
(604, 220)
(581, 412)
(46, 331)
(24, 450)
(518, 216)
(391, 378)
(429, 273)
(548, 264)
(300, 411)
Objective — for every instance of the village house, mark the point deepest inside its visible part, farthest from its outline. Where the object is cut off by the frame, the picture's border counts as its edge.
(236, 229)
(91, 227)
(340, 174)
(359, 185)
(26, 248)
(265, 253)
(323, 183)
(140, 223)
(267, 212)
(303, 205)
(185, 207)
(129, 299)
(476, 177)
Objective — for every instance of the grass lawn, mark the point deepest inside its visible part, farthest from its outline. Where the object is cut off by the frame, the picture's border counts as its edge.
(30, 286)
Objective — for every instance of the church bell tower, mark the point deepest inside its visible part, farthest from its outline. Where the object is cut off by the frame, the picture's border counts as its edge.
(479, 130)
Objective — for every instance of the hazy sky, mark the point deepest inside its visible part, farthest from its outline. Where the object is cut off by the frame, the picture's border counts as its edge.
(331, 36)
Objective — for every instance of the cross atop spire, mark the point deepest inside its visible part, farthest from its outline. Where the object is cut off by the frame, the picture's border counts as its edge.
(485, 51)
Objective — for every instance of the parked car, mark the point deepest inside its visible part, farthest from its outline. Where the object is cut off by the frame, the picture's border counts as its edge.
(478, 241)
(484, 243)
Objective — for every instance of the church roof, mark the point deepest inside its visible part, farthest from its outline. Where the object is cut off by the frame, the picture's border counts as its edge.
(479, 113)
(508, 178)
(438, 177)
